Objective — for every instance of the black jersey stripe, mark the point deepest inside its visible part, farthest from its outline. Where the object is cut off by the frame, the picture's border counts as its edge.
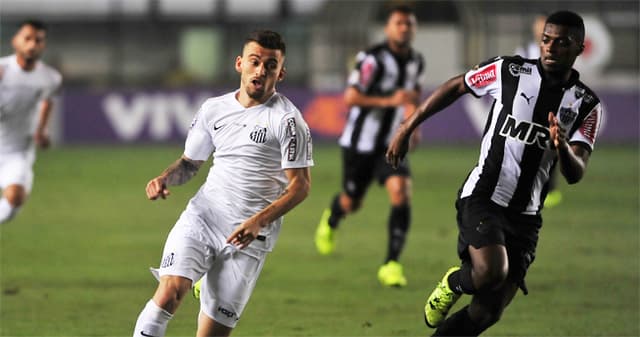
(491, 169)
(549, 101)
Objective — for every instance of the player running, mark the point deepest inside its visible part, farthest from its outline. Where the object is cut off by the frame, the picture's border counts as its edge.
(261, 170)
(383, 88)
(27, 86)
(542, 115)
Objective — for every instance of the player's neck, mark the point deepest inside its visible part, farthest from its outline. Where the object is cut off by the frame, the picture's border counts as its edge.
(247, 101)
(398, 49)
(25, 64)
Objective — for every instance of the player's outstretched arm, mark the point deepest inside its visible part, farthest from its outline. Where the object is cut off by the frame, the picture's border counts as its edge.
(297, 190)
(441, 98)
(178, 173)
(572, 159)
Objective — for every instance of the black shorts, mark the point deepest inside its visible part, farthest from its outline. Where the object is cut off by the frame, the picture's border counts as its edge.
(482, 222)
(358, 171)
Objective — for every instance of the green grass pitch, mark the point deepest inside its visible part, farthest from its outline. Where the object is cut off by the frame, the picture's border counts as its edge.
(75, 260)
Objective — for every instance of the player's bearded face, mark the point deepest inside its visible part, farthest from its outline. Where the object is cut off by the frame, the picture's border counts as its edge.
(29, 43)
(260, 69)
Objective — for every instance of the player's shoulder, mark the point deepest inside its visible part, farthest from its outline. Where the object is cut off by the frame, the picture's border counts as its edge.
(5, 60)
(281, 104)
(588, 95)
(51, 73)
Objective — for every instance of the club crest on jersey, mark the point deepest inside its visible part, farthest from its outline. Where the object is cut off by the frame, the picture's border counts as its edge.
(567, 116)
(515, 70)
(484, 77)
(259, 134)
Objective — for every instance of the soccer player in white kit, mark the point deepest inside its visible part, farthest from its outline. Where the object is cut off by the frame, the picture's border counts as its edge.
(26, 88)
(261, 170)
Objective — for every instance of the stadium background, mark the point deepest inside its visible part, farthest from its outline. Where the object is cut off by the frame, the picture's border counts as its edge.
(135, 71)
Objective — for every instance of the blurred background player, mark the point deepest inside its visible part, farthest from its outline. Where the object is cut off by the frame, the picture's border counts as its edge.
(532, 51)
(500, 201)
(383, 88)
(26, 89)
(260, 171)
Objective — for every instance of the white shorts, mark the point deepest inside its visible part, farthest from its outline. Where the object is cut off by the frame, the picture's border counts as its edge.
(16, 168)
(229, 274)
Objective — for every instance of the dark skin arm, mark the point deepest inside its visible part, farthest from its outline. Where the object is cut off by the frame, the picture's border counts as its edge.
(178, 173)
(441, 98)
(572, 159)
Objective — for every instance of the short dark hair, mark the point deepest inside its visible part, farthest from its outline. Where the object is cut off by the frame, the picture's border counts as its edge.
(404, 9)
(571, 20)
(37, 24)
(267, 39)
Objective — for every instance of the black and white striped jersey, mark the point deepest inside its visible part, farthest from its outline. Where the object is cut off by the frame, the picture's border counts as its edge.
(515, 156)
(379, 72)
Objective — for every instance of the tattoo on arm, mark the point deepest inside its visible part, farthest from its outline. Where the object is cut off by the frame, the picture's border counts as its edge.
(181, 171)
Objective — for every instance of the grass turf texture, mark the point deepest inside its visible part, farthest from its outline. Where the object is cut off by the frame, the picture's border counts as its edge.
(74, 262)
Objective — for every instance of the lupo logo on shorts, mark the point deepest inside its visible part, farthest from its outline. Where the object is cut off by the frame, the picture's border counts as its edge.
(227, 312)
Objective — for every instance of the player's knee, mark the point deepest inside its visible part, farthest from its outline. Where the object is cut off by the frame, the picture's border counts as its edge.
(15, 196)
(171, 291)
(489, 276)
(349, 204)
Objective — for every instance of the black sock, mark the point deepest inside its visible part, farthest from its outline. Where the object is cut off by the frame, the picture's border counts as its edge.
(399, 220)
(336, 212)
(459, 324)
(460, 281)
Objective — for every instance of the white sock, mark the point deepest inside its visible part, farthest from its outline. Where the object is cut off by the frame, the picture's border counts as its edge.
(152, 321)
(6, 210)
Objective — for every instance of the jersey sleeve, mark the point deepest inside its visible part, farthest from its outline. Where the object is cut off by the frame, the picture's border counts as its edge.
(365, 72)
(296, 146)
(54, 86)
(484, 79)
(590, 127)
(199, 145)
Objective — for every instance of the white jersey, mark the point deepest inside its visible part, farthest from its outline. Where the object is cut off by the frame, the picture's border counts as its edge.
(20, 94)
(252, 147)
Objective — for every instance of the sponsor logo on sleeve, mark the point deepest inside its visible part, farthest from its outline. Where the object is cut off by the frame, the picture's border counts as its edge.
(484, 77)
(367, 69)
(291, 127)
(292, 149)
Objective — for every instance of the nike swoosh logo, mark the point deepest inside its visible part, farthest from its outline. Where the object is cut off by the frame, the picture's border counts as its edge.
(217, 127)
(144, 334)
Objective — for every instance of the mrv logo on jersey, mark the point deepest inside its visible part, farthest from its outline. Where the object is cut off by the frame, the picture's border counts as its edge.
(525, 131)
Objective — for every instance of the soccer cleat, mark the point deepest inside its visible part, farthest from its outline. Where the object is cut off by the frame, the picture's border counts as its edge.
(325, 235)
(391, 275)
(553, 199)
(440, 301)
(196, 289)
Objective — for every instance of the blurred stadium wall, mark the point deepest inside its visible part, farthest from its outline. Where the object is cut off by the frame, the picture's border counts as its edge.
(137, 70)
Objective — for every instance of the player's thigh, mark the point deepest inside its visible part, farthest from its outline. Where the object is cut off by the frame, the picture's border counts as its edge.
(228, 285)
(183, 255)
(522, 240)
(357, 173)
(209, 327)
(17, 169)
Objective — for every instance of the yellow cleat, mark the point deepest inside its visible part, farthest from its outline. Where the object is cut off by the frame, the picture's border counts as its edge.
(440, 301)
(196, 289)
(391, 275)
(554, 198)
(325, 235)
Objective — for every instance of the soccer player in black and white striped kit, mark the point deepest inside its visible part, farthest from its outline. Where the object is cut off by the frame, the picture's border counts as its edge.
(542, 116)
(383, 88)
